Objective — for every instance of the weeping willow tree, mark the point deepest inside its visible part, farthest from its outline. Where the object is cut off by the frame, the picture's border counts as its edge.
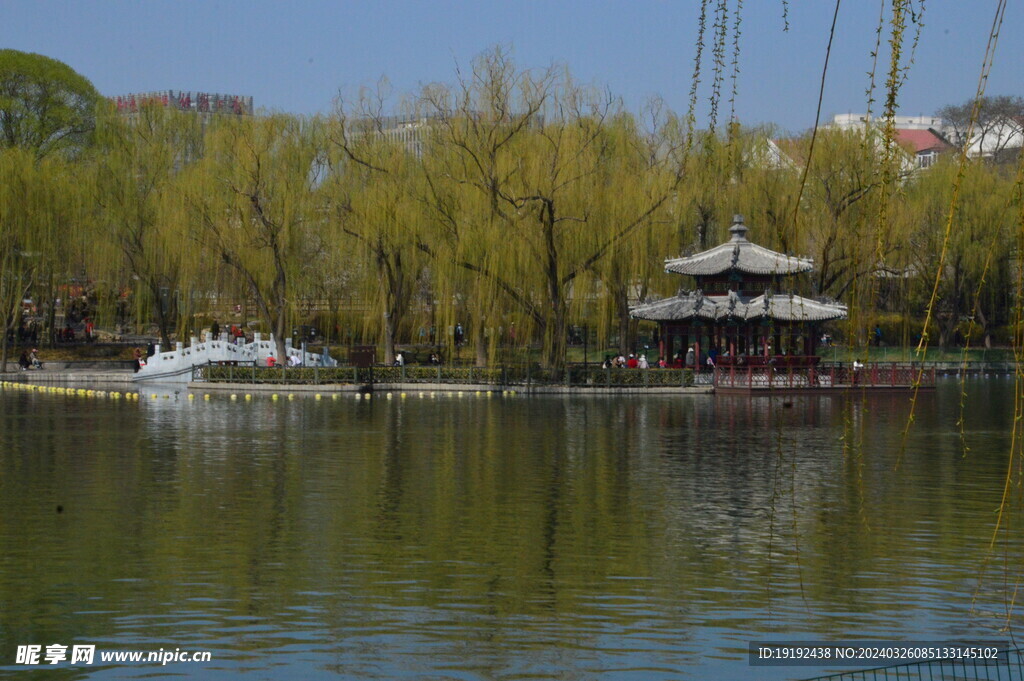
(371, 194)
(840, 202)
(976, 275)
(139, 161)
(764, 189)
(702, 208)
(37, 207)
(253, 202)
(633, 171)
(531, 148)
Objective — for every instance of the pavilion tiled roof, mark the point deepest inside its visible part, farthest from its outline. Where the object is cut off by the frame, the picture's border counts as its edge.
(738, 254)
(777, 306)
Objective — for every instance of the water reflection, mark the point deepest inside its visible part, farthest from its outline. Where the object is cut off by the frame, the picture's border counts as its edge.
(634, 537)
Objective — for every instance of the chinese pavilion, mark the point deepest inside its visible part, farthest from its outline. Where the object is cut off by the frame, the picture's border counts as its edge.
(743, 310)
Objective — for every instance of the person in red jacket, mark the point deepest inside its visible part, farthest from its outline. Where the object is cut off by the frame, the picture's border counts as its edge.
(632, 362)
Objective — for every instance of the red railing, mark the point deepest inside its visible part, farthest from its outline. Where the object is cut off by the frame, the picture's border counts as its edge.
(877, 375)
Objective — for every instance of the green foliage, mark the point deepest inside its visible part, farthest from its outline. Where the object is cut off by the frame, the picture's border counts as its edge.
(45, 105)
(253, 210)
(39, 208)
(516, 203)
(141, 214)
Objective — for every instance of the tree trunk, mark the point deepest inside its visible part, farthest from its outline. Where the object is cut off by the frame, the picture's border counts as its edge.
(3, 350)
(947, 329)
(984, 329)
(555, 340)
(50, 324)
(555, 356)
(161, 322)
(622, 311)
(280, 329)
(390, 331)
(480, 340)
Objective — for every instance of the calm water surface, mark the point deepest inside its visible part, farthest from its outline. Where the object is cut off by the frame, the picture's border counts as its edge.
(495, 538)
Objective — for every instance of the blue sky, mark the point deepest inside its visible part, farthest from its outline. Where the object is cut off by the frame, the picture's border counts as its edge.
(295, 56)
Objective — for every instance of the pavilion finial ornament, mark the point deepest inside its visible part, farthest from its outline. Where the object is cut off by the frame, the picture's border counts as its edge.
(738, 229)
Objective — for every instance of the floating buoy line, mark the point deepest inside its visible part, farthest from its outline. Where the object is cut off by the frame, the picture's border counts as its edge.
(207, 397)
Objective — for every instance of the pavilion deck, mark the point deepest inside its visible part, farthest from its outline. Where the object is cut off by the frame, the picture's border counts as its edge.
(874, 376)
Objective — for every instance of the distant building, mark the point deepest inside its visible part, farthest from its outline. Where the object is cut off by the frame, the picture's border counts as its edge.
(995, 137)
(205, 103)
(856, 120)
(925, 144)
(923, 136)
(929, 136)
(409, 131)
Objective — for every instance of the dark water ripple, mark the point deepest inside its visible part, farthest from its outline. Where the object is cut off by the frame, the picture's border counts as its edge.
(571, 538)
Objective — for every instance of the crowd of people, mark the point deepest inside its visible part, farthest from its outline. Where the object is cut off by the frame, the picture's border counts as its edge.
(689, 360)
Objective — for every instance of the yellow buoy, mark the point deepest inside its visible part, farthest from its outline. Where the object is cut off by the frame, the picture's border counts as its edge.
(191, 396)
(206, 396)
(368, 395)
(273, 397)
(389, 396)
(234, 396)
(317, 396)
(291, 396)
(402, 396)
(334, 396)
(248, 396)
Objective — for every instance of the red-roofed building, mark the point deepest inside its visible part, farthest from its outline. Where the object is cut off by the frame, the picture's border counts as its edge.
(925, 144)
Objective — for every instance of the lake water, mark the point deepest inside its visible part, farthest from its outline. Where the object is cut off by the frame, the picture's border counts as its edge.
(574, 537)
